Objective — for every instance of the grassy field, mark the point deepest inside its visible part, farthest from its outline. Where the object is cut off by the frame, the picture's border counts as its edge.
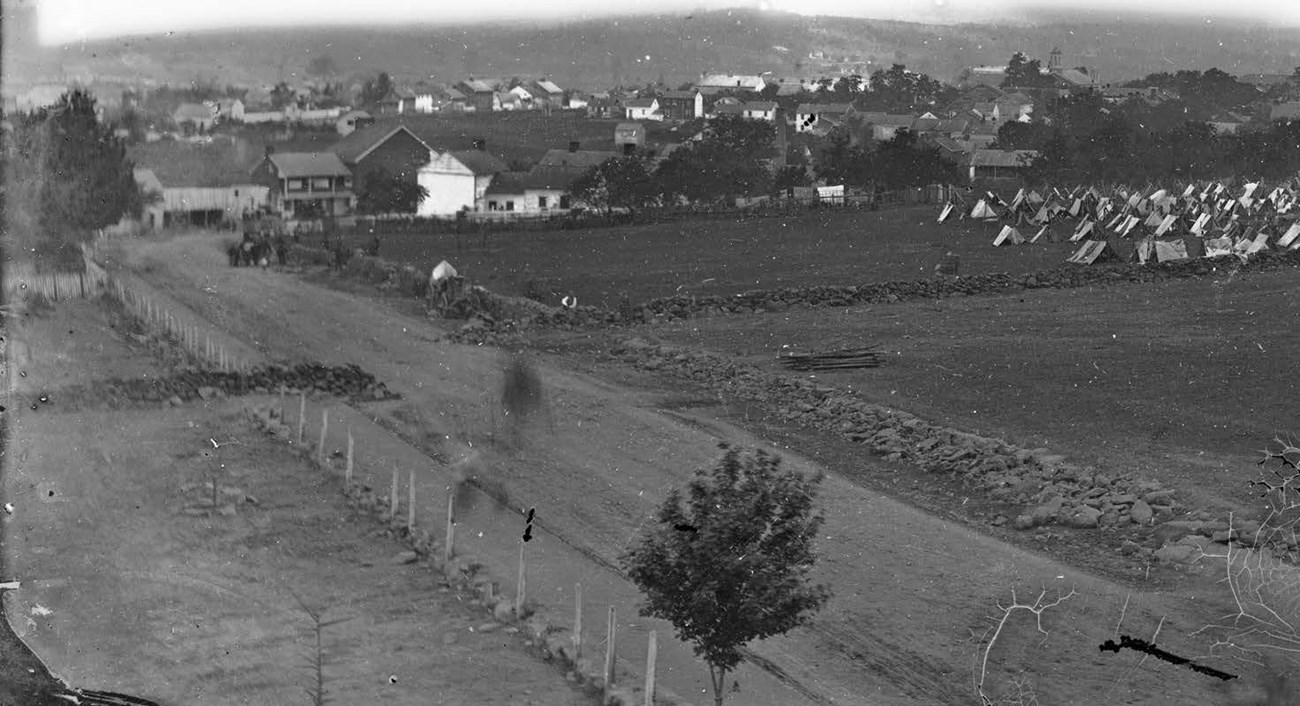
(1184, 381)
(722, 256)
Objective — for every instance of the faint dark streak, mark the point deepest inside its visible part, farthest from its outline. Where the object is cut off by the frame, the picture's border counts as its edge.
(1141, 645)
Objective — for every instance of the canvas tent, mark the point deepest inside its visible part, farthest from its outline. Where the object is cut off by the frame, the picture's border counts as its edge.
(1292, 235)
(1093, 251)
(1008, 234)
(982, 210)
(1170, 251)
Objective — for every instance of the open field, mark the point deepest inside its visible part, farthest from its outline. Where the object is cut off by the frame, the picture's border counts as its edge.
(129, 584)
(723, 256)
(1184, 381)
(914, 588)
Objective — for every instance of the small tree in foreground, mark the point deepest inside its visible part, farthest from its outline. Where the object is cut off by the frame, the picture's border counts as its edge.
(731, 565)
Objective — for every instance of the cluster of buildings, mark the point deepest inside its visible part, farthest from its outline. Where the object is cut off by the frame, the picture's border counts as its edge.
(208, 183)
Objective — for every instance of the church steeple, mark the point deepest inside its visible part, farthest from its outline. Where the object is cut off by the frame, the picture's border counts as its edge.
(1054, 60)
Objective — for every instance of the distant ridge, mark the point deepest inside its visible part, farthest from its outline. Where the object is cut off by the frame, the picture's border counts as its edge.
(601, 53)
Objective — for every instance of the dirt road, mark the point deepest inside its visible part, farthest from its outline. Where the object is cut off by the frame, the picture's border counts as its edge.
(913, 593)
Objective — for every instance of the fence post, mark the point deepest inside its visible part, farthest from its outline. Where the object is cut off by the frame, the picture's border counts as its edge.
(577, 622)
(610, 629)
(523, 582)
(392, 499)
(650, 670)
(347, 474)
(448, 548)
(302, 415)
(410, 504)
(324, 429)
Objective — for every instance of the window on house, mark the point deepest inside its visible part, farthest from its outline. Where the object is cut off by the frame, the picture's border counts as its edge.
(297, 185)
(320, 184)
(492, 205)
(345, 182)
(564, 201)
(510, 205)
(541, 202)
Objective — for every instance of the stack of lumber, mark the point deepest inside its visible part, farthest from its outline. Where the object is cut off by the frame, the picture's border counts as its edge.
(845, 359)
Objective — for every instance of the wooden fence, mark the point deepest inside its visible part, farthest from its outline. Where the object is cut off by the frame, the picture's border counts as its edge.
(22, 279)
(407, 520)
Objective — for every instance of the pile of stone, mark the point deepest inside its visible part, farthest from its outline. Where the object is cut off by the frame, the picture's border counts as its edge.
(1049, 490)
(346, 381)
(682, 307)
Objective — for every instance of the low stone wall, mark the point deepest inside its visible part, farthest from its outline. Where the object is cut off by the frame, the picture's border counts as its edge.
(1048, 490)
(347, 381)
(1068, 277)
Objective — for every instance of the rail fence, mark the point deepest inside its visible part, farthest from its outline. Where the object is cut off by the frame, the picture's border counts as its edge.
(397, 505)
(473, 223)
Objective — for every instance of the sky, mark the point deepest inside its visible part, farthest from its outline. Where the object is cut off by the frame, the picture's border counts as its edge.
(69, 21)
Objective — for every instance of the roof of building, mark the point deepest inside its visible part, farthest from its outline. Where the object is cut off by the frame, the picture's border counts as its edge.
(680, 95)
(550, 178)
(453, 94)
(548, 87)
(147, 180)
(818, 108)
(355, 146)
(510, 183)
(478, 85)
(1002, 158)
(887, 120)
(192, 111)
(579, 159)
(729, 109)
(761, 105)
(202, 164)
(1075, 77)
(925, 124)
(953, 125)
(789, 89)
(949, 144)
(732, 81)
(308, 164)
(629, 128)
(641, 103)
(1285, 111)
(480, 162)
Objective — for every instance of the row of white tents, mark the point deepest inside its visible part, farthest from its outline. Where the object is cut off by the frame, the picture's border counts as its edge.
(1199, 220)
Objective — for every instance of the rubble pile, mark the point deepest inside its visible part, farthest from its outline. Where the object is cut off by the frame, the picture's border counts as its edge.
(346, 381)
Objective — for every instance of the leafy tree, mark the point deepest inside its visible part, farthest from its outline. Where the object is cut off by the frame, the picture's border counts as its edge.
(897, 90)
(1023, 72)
(380, 191)
(85, 179)
(901, 162)
(376, 89)
(619, 182)
(788, 176)
(730, 160)
(732, 564)
(281, 95)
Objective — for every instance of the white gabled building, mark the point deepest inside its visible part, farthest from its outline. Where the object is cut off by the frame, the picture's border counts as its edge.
(457, 181)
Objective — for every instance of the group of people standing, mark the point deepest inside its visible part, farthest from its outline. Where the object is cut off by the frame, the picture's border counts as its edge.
(257, 247)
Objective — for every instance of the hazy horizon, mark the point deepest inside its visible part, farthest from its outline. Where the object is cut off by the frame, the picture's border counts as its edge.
(69, 21)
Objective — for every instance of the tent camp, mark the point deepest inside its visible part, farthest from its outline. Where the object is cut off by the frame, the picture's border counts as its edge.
(1218, 247)
(1166, 224)
(1041, 232)
(1146, 249)
(1008, 235)
(1092, 252)
(442, 271)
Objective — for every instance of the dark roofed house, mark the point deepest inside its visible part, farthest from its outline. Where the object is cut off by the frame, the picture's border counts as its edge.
(479, 94)
(682, 105)
(999, 164)
(505, 193)
(547, 92)
(307, 184)
(392, 148)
